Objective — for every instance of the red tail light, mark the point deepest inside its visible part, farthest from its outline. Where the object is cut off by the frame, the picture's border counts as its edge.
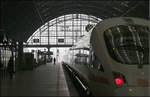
(118, 81)
(119, 78)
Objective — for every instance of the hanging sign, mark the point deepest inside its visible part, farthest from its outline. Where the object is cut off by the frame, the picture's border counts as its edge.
(36, 40)
(61, 40)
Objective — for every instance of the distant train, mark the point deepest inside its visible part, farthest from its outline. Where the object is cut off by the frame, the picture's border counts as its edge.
(115, 60)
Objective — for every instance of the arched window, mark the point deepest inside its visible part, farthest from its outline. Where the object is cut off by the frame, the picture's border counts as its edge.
(66, 29)
(63, 30)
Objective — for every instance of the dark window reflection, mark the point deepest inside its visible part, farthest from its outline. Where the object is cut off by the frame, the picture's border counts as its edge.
(128, 44)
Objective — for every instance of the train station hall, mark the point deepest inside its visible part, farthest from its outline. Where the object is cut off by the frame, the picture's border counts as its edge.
(74, 48)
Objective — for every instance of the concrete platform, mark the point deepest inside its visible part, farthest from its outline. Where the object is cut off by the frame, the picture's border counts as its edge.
(46, 80)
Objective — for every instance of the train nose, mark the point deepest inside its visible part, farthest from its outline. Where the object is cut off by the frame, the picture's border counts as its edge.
(132, 83)
(132, 91)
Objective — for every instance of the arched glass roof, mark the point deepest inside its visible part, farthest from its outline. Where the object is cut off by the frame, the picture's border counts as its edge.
(66, 29)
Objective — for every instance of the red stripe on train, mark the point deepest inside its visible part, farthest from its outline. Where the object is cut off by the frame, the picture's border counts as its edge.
(99, 79)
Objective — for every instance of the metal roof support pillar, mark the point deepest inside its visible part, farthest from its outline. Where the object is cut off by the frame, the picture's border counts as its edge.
(72, 30)
(48, 32)
(56, 31)
(40, 35)
(48, 48)
(65, 29)
(20, 56)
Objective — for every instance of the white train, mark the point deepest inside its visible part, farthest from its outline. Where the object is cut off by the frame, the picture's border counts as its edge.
(115, 61)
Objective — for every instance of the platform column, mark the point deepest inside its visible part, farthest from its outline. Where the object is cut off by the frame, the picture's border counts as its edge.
(20, 56)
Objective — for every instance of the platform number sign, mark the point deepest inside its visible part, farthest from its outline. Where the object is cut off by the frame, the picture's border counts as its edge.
(61, 40)
(36, 40)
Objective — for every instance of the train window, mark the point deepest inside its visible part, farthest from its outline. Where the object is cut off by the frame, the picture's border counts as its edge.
(128, 44)
(96, 64)
(81, 57)
(100, 67)
(91, 59)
